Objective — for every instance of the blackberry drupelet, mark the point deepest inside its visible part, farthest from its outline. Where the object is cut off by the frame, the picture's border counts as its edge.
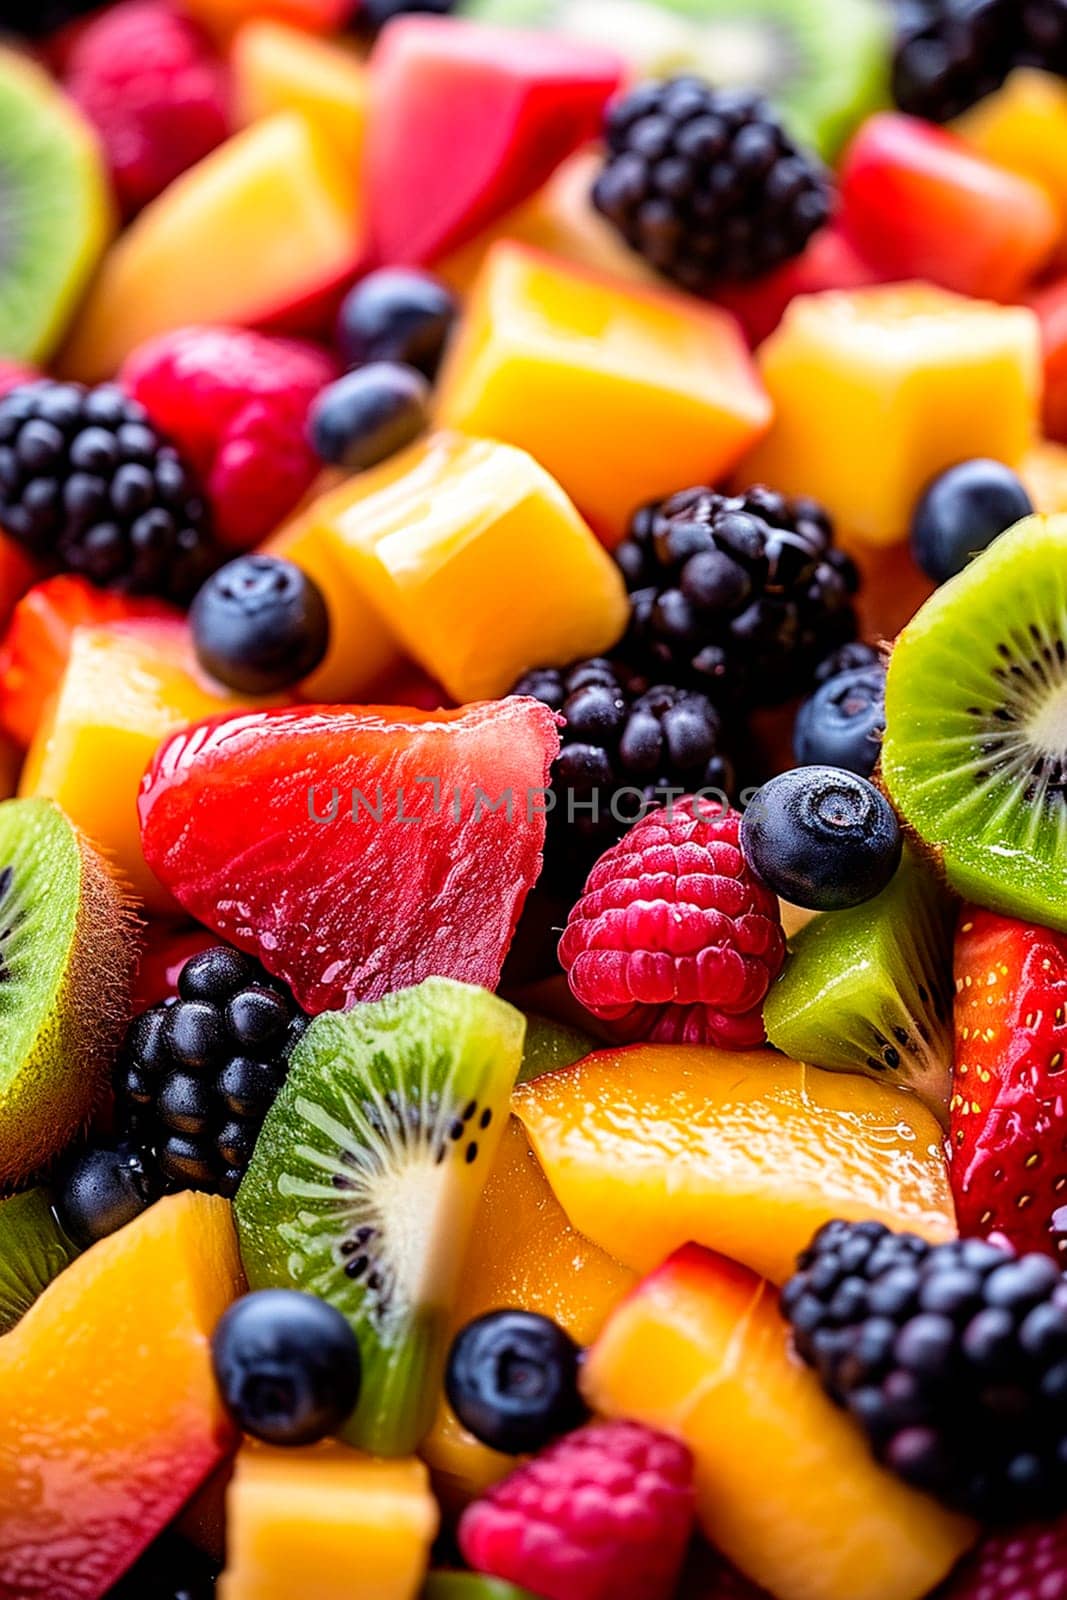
(951, 53)
(706, 184)
(1044, 34)
(87, 484)
(952, 1358)
(739, 595)
(197, 1075)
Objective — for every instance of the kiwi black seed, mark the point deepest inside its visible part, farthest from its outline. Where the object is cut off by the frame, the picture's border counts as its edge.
(33, 1250)
(366, 1177)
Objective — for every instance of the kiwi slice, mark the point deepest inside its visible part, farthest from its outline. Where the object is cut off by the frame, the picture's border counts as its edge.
(55, 209)
(66, 960)
(551, 1046)
(869, 990)
(975, 750)
(366, 1177)
(471, 1586)
(33, 1250)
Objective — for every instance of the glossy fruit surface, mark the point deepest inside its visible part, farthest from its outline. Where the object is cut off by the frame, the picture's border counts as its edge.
(369, 414)
(396, 314)
(822, 837)
(260, 624)
(288, 1366)
(962, 512)
(100, 1190)
(842, 723)
(278, 67)
(512, 1380)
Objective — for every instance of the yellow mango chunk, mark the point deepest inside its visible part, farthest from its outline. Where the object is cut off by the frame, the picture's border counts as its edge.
(621, 392)
(279, 68)
(878, 390)
(1023, 127)
(476, 562)
(326, 1523)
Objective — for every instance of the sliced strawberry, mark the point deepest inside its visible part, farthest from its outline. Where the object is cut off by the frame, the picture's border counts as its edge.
(1008, 1164)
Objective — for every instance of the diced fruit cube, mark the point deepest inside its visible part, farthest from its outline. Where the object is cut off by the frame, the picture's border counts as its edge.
(1044, 472)
(572, 365)
(476, 562)
(111, 1413)
(919, 203)
(326, 1523)
(18, 573)
(653, 1146)
(268, 220)
(507, 107)
(785, 1485)
(1050, 305)
(280, 68)
(1023, 127)
(910, 379)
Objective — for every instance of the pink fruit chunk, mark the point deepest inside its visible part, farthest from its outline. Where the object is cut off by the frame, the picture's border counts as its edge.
(830, 261)
(356, 850)
(505, 105)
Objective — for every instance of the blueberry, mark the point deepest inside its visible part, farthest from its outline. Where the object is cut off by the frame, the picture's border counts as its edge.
(962, 512)
(396, 314)
(100, 1190)
(842, 724)
(287, 1365)
(259, 625)
(821, 837)
(369, 414)
(512, 1381)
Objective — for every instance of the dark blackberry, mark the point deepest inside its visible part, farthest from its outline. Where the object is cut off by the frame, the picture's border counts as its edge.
(741, 595)
(371, 16)
(197, 1075)
(951, 53)
(88, 485)
(170, 1569)
(36, 18)
(952, 1358)
(706, 184)
(1044, 34)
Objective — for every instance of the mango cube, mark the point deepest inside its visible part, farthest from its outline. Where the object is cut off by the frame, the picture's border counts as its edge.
(878, 390)
(279, 68)
(476, 561)
(1024, 127)
(623, 393)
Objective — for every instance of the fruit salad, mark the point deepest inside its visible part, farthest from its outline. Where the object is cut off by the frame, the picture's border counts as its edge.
(533, 800)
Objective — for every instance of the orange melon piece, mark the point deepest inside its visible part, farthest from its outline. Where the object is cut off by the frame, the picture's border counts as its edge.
(326, 1523)
(1023, 127)
(280, 68)
(1044, 472)
(314, 16)
(786, 1487)
(747, 1153)
(111, 1414)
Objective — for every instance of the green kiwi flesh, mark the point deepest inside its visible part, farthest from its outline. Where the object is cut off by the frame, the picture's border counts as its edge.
(551, 1046)
(975, 749)
(33, 1250)
(367, 1175)
(66, 956)
(471, 1586)
(870, 990)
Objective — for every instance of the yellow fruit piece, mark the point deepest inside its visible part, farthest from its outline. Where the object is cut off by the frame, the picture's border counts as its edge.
(326, 1523)
(477, 563)
(278, 68)
(621, 392)
(746, 1153)
(266, 221)
(908, 379)
(1023, 127)
(1044, 473)
(785, 1484)
(127, 687)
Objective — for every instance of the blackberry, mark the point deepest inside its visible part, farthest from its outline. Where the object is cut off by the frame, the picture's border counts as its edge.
(706, 184)
(627, 743)
(198, 1074)
(88, 485)
(952, 1358)
(740, 595)
(1044, 34)
(951, 53)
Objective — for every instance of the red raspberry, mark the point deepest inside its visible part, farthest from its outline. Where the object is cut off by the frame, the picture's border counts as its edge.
(235, 403)
(674, 939)
(1022, 1564)
(146, 78)
(602, 1514)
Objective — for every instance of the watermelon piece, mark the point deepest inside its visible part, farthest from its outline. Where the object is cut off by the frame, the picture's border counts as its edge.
(830, 262)
(468, 120)
(356, 851)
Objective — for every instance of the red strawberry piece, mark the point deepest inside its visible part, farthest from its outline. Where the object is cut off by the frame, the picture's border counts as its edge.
(674, 938)
(235, 403)
(355, 851)
(1021, 1564)
(165, 950)
(146, 77)
(603, 1514)
(1006, 1149)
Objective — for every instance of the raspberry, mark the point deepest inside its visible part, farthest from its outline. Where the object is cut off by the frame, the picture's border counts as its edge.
(674, 938)
(1024, 1564)
(146, 78)
(603, 1514)
(236, 403)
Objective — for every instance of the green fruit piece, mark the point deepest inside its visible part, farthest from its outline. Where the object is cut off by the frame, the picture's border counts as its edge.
(33, 1250)
(975, 750)
(366, 1179)
(66, 959)
(870, 990)
(550, 1046)
(56, 213)
(471, 1586)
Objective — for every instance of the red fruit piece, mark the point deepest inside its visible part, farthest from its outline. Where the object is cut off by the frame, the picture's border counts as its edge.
(355, 851)
(1009, 1100)
(12, 374)
(146, 77)
(674, 938)
(505, 105)
(830, 261)
(919, 203)
(36, 646)
(1050, 304)
(235, 403)
(164, 953)
(602, 1514)
(1021, 1564)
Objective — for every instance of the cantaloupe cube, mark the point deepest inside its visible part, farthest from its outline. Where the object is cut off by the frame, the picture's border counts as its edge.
(1044, 472)
(278, 68)
(1023, 127)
